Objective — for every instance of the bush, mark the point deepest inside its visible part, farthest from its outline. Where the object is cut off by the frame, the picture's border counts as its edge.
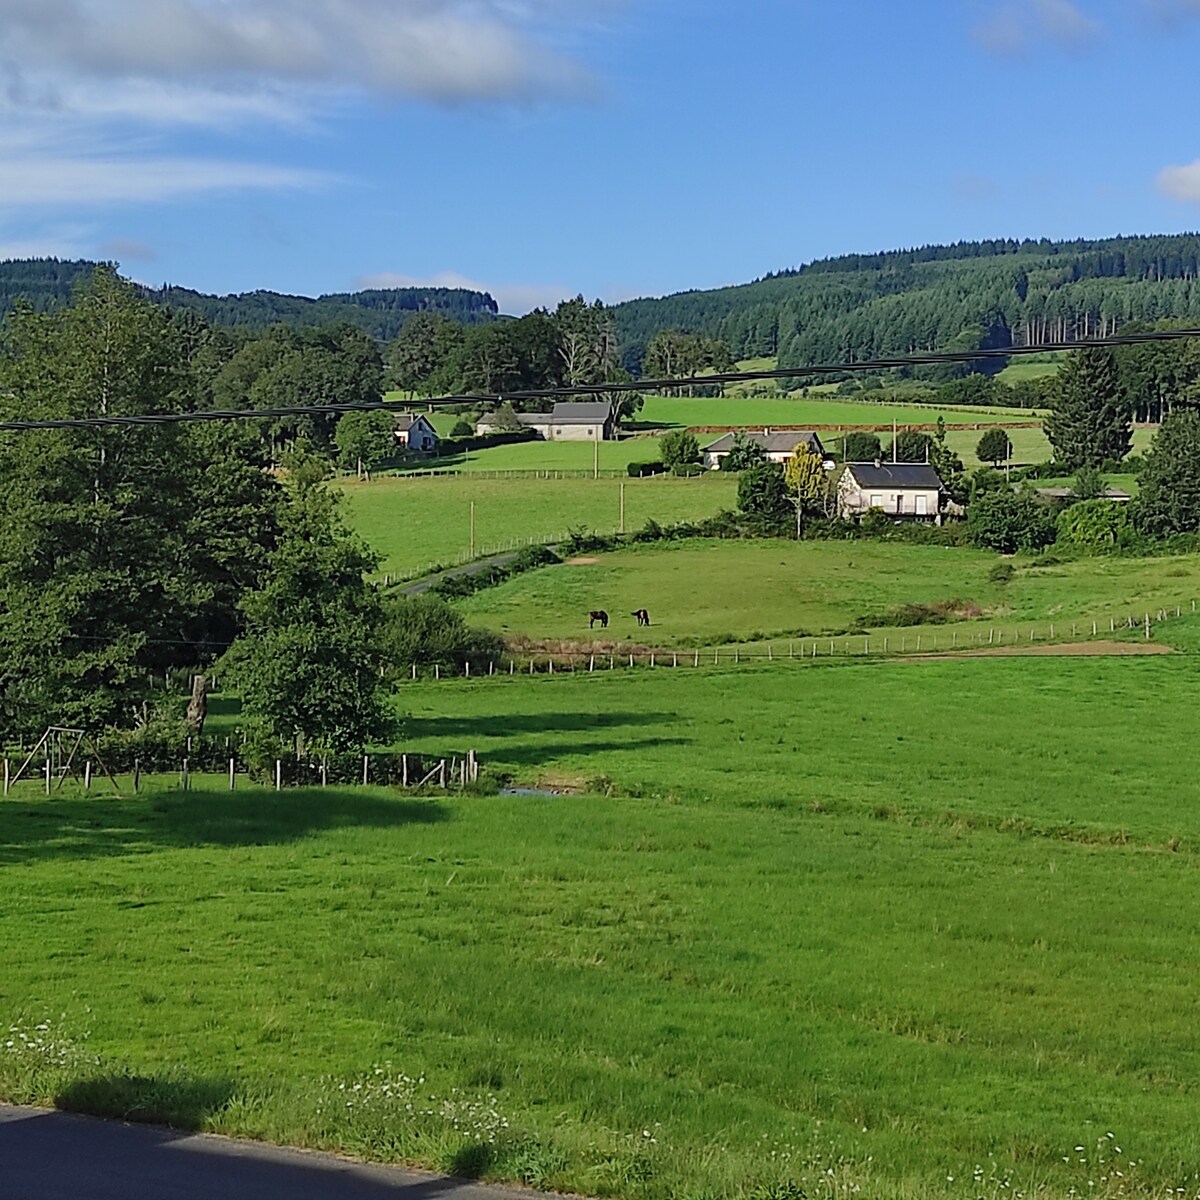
(687, 469)
(639, 470)
(462, 429)
(1096, 526)
(861, 446)
(762, 493)
(1001, 572)
(679, 446)
(1007, 521)
(425, 630)
(994, 447)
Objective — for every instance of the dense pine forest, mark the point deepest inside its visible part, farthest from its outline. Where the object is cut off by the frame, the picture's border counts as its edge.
(49, 283)
(964, 296)
(970, 295)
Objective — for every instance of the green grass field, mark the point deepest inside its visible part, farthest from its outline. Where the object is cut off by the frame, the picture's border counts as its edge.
(760, 411)
(900, 931)
(704, 593)
(413, 523)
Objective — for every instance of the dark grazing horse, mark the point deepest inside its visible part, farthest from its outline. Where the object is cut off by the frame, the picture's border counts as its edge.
(643, 617)
(598, 614)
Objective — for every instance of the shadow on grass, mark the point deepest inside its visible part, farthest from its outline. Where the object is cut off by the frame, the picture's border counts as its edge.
(179, 1103)
(98, 825)
(534, 754)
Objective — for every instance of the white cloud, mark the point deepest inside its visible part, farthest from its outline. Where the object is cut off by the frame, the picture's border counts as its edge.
(264, 56)
(53, 171)
(513, 298)
(1016, 26)
(1180, 183)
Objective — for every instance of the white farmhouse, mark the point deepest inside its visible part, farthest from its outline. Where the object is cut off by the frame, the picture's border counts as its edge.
(900, 490)
(777, 444)
(414, 432)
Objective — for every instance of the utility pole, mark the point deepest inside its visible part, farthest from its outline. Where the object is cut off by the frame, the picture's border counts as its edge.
(622, 526)
(596, 459)
(472, 528)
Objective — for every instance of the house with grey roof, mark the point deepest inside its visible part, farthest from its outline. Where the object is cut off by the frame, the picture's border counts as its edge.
(777, 444)
(567, 421)
(413, 431)
(903, 491)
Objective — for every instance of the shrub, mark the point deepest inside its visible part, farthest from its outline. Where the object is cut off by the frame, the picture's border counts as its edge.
(1001, 572)
(462, 429)
(425, 630)
(743, 454)
(1096, 526)
(639, 470)
(679, 446)
(1008, 521)
(861, 446)
(912, 446)
(687, 469)
(763, 493)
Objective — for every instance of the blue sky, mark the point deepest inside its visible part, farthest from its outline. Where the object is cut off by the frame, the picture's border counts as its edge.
(540, 148)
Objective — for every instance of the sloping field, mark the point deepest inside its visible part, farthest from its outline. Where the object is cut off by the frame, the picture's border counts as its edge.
(714, 592)
(414, 523)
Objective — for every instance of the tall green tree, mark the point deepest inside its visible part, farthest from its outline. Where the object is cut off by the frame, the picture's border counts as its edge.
(365, 439)
(95, 583)
(1169, 482)
(994, 447)
(309, 665)
(417, 356)
(1089, 422)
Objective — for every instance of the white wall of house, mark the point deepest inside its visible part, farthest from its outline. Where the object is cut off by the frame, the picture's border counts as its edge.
(854, 501)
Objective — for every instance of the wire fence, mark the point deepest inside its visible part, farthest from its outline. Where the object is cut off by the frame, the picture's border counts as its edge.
(913, 642)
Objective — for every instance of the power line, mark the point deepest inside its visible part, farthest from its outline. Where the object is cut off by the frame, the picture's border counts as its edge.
(674, 383)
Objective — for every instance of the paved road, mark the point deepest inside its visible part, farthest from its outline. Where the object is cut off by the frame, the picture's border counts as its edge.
(56, 1156)
(471, 568)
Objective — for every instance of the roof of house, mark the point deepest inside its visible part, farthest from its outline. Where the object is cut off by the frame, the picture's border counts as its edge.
(919, 476)
(773, 441)
(405, 421)
(574, 412)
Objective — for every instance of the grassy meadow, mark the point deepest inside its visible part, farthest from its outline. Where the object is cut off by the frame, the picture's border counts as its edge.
(704, 593)
(920, 930)
(413, 523)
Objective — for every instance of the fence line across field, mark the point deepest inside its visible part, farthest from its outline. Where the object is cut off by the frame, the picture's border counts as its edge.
(894, 644)
(415, 772)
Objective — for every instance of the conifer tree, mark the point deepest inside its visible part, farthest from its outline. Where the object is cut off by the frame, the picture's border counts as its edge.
(1089, 421)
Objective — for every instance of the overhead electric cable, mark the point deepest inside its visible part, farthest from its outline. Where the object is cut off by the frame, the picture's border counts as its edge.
(932, 358)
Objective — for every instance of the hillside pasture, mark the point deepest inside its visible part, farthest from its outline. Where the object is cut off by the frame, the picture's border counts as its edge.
(704, 593)
(893, 931)
(415, 523)
(806, 411)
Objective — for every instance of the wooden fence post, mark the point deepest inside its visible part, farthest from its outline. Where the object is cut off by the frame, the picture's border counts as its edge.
(87, 775)
(404, 770)
(137, 773)
(278, 775)
(47, 777)
(183, 775)
(366, 768)
(7, 775)
(442, 773)
(232, 769)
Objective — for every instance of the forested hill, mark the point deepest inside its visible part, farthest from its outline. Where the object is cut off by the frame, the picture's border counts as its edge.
(964, 296)
(47, 283)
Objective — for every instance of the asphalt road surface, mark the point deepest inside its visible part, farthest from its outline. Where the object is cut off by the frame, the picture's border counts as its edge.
(48, 1155)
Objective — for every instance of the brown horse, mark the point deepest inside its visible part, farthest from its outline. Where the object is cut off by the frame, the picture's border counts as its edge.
(643, 617)
(598, 614)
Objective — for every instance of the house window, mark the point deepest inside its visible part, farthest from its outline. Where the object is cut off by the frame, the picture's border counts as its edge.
(876, 500)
